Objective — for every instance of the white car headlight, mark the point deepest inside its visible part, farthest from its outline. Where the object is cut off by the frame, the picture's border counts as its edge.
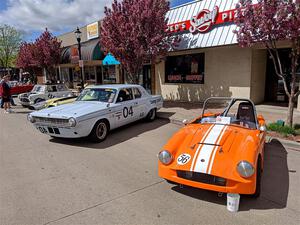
(165, 157)
(245, 169)
(30, 118)
(72, 122)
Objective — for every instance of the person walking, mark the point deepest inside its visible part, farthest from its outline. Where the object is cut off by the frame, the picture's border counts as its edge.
(6, 97)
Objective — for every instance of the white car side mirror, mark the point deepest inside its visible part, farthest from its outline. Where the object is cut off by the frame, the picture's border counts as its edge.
(185, 122)
(263, 128)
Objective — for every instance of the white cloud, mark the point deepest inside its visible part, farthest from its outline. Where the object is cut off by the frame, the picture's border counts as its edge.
(56, 15)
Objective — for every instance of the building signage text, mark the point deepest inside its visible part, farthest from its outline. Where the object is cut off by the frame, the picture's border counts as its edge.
(204, 21)
(92, 31)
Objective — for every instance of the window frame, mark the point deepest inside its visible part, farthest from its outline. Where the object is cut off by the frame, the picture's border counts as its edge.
(139, 91)
(182, 70)
(131, 92)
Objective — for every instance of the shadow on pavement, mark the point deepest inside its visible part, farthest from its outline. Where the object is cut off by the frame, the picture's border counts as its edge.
(275, 183)
(185, 105)
(116, 136)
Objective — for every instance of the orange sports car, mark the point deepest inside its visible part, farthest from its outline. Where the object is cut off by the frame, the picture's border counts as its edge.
(222, 150)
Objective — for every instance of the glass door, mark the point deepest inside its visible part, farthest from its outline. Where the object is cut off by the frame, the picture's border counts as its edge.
(146, 83)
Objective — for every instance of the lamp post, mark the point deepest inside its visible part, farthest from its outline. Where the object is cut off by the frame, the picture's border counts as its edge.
(78, 38)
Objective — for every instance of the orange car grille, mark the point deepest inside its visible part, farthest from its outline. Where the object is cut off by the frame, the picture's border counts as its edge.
(201, 177)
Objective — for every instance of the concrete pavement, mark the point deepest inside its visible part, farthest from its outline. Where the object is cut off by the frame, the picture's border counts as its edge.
(46, 181)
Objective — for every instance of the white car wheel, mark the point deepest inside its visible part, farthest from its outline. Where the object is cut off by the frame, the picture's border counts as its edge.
(100, 131)
(151, 115)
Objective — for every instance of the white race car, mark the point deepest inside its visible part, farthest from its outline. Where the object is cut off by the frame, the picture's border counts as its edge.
(96, 111)
(43, 92)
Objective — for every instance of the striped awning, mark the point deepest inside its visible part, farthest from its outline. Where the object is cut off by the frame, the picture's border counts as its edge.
(218, 34)
(90, 50)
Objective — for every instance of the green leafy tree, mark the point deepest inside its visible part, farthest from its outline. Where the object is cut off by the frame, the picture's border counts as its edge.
(10, 40)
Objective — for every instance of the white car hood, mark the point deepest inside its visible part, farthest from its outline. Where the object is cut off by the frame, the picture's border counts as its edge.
(76, 109)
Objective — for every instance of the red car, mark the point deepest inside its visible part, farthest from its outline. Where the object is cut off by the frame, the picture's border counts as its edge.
(20, 88)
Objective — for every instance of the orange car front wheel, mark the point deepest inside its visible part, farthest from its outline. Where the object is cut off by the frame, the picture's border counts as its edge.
(258, 180)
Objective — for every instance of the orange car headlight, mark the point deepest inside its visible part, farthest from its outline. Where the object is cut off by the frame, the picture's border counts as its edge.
(245, 169)
(165, 157)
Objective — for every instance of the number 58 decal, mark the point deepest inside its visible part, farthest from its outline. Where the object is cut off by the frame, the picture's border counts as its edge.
(127, 112)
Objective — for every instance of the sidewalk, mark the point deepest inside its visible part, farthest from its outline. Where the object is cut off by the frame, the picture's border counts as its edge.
(176, 112)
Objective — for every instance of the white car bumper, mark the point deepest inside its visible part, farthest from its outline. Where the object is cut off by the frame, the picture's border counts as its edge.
(63, 132)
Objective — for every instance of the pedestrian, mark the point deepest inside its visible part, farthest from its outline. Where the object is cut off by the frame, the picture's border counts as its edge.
(6, 96)
(1, 101)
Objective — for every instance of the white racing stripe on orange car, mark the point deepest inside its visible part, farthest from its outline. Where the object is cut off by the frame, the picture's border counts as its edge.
(204, 156)
(200, 146)
(212, 157)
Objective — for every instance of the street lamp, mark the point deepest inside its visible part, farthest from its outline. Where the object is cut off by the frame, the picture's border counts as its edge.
(78, 38)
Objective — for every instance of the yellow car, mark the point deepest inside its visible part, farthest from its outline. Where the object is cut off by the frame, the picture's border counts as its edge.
(53, 102)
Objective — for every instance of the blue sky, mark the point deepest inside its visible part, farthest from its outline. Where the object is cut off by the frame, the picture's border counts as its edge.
(59, 16)
(179, 2)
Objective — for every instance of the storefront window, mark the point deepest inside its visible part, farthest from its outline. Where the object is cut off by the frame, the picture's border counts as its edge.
(76, 74)
(64, 74)
(89, 73)
(185, 69)
(109, 75)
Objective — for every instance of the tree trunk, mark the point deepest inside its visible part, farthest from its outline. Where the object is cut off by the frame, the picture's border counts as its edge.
(289, 119)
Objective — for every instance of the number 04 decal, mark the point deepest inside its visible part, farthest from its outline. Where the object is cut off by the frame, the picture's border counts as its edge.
(127, 112)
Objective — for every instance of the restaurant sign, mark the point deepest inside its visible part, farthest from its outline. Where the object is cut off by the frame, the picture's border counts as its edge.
(204, 21)
(92, 31)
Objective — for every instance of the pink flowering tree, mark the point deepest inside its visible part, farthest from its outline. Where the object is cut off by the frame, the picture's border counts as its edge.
(26, 57)
(48, 52)
(44, 53)
(269, 22)
(134, 31)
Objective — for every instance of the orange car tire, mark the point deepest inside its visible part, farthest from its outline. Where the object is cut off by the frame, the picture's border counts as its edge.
(258, 179)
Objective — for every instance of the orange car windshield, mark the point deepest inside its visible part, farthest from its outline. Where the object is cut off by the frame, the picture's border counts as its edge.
(229, 112)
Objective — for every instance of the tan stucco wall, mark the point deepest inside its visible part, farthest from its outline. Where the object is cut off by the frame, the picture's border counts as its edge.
(227, 73)
(258, 75)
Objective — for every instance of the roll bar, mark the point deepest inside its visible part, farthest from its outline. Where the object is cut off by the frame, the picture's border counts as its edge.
(231, 102)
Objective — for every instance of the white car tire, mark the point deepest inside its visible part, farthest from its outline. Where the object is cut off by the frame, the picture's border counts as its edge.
(151, 116)
(100, 131)
(38, 100)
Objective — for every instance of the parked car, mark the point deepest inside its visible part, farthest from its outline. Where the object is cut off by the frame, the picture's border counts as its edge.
(18, 88)
(42, 92)
(53, 102)
(96, 111)
(222, 150)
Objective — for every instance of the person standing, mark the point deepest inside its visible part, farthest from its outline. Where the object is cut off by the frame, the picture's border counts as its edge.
(1, 101)
(6, 96)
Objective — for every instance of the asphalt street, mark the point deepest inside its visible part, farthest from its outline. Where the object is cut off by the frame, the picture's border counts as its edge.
(46, 181)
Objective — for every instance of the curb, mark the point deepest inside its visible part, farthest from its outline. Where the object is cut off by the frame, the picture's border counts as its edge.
(174, 121)
(291, 144)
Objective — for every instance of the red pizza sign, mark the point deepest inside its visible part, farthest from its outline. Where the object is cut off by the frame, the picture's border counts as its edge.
(204, 21)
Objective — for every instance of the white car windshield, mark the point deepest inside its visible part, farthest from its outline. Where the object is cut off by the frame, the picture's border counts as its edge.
(38, 88)
(97, 95)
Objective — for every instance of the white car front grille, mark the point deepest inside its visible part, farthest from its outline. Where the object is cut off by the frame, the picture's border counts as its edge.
(52, 121)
